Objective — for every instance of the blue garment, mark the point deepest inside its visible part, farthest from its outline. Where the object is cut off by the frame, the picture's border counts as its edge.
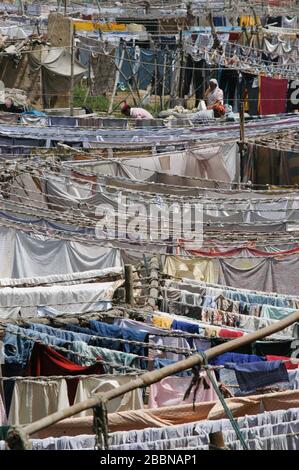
(114, 331)
(255, 375)
(103, 343)
(89, 336)
(128, 66)
(256, 298)
(235, 358)
(34, 112)
(219, 20)
(159, 363)
(17, 350)
(61, 334)
(146, 69)
(192, 328)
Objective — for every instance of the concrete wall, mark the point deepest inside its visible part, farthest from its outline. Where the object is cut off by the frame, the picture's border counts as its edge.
(60, 30)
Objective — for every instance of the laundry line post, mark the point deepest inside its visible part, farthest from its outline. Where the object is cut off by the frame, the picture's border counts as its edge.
(129, 284)
(242, 123)
(72, 71)
(241, 143)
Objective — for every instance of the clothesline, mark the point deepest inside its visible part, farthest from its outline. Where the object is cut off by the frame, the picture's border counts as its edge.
(81, 355)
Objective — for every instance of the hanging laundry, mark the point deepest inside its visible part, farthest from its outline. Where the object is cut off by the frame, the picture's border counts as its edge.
(171, 390)
(35, 399)
(289, 22)
(287, 361)
(88, 386)
(273, 95)
(46, 361)
(252, 376)
(162, 321)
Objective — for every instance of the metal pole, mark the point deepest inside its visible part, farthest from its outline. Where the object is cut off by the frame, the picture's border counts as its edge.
(65, 7)
(72, 73)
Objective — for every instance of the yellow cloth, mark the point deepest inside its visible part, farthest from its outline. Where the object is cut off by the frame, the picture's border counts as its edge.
(247, 21)
(162, 322)
(212, 332)
(91, 26)
(200, 269)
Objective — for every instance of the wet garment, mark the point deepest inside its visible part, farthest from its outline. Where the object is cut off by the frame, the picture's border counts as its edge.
(90, 385)
(254, 375)
(273, 95)
(33, 400)
(288, 364)
(171, 390)
(46, 361)
(236, 358)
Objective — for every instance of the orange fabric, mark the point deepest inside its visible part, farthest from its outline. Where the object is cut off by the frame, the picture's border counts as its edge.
(175, 415)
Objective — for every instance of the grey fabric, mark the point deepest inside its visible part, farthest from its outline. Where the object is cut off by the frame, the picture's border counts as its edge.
(43, 300)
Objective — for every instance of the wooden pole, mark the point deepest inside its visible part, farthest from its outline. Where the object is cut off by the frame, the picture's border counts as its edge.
(72, 72)
(156, 78)
(152, 377)
(129, 284)
(163, 82)
(116, 81)
(65, 2)
(181, 80)
(242, 122)
(242, 134)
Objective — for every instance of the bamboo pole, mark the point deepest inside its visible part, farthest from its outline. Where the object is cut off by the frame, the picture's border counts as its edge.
(152, 377)
(163, 82)
(72, 72)
(156, 77)
(242, 124)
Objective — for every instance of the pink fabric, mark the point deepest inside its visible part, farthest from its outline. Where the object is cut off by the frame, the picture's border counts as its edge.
(171, 390)
(273, 95)
(140, 113)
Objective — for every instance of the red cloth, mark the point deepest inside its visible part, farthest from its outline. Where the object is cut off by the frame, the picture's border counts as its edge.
(289, 365)
(223, 333)
(273, 95)
(46, 361)
(234, 36)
